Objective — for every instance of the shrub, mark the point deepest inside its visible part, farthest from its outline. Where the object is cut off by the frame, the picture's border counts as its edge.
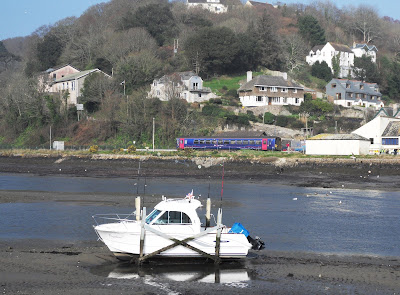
(269, 118)
(131, 149)
(94, 149)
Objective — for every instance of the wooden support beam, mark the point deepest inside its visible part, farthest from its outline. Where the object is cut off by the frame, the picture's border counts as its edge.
(177, 242)
(218, 238)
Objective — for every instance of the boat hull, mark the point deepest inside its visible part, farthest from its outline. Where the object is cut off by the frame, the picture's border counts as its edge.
(124, 240)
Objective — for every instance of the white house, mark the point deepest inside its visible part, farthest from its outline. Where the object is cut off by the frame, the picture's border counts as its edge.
(365, 49)
(337, 144)
(216, 6)
(270, 90)
(381, 132)
(73, 83)
(184, 85)
(328, 51)
(49, 76)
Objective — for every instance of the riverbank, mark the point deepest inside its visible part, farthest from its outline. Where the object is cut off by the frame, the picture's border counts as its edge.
(367, 173)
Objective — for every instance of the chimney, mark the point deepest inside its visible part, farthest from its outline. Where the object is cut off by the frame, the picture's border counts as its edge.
(249, 76)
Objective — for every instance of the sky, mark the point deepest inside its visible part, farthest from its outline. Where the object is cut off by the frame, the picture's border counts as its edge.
(20, 18)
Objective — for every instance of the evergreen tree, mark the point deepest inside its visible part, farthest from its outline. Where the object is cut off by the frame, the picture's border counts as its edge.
(365, 69)
(321, 70)
(311, 31)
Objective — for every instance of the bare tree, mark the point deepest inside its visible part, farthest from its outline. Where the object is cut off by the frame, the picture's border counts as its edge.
(366, 22)
(295, 50)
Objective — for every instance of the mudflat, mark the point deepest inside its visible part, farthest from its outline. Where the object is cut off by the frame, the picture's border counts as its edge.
(84, 267)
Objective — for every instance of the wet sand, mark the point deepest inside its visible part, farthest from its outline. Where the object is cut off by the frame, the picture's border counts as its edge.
(59, 267)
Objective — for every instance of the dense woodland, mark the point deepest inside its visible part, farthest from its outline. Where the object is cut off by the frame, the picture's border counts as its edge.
(134, 41)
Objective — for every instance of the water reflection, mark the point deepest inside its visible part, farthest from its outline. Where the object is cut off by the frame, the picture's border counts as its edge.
(232, 273)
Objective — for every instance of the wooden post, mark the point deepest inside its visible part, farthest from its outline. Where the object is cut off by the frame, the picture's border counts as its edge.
(218, 238)
(208, 212)
(142, 232)
(137, 205)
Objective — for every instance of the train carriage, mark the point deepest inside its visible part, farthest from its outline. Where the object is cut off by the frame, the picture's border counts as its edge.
(218, 143)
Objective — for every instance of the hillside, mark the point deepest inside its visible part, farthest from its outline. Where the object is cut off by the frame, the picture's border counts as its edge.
(134, 42)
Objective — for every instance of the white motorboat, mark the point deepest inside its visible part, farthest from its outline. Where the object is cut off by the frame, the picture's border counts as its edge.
(172, 220)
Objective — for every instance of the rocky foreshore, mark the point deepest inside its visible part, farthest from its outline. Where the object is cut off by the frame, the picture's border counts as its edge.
(359, 173)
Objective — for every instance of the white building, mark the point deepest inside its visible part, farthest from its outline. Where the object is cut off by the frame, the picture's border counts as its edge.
(381, 132)
(337, 144)
(270, 90)
(328, 51)
(364, 49)
(184, 85)
(216, 6)
(73, 84)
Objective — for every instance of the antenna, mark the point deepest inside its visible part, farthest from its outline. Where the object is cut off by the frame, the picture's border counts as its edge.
(222, 184)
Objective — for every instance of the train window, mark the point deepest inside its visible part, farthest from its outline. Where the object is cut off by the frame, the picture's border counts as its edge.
(245, 142)
(226, 141)
(208, 141)
(196, 141)
(251, 141)
(238, 142)
(258, 141)
(220, 141)
(264, 141)
(214, 141)
(201, 141)
(233, 141)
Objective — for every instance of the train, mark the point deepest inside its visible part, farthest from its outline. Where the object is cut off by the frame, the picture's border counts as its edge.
(223, 143)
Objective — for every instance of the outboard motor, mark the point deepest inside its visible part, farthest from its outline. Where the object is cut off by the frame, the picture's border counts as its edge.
(256, 243)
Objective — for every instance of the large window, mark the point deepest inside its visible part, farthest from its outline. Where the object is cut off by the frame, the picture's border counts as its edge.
(175, 217)
(390, 141)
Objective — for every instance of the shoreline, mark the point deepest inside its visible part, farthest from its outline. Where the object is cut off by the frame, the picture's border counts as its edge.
(373, 174)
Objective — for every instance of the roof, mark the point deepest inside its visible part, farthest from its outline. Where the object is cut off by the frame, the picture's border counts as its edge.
(328, 136)
(271, 81)
(59, 67)
(240, 134)
(341, 47)
(369, 88)
(78, 75)
(365, 46)
(317, 47)
(392, 129)
(259, 4)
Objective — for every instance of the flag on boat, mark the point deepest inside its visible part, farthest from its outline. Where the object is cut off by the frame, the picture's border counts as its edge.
(190, 195)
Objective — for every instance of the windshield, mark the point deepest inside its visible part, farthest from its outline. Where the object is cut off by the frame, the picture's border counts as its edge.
(152, 216)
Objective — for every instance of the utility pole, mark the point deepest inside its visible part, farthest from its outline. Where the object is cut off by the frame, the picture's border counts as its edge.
(50, 137)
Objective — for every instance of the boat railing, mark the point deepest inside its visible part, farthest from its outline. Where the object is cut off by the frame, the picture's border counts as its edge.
(114, 217)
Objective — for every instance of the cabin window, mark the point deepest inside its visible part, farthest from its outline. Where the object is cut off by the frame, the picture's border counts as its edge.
(152, 215)
(245, 142)
(208, 141)
(251, 141)
(201, 141)
(214, 141)
(258, 142)
(220, 141)
(233, 141)
(196, 141)
(226, 141)
(178, 217)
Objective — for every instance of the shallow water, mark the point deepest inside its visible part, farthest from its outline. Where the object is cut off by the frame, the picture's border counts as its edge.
(287, 218)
